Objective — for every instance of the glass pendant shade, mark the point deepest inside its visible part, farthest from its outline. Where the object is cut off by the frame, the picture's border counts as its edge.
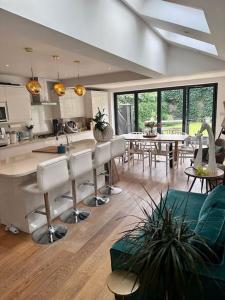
(79, 90)
(59, 89)
(33, 86)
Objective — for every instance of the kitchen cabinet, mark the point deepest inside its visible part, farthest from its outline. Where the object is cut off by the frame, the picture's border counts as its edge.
(94, 100)
(18, 103)
(71, 105)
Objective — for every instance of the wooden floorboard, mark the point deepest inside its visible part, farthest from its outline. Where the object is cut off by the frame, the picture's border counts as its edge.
(76, 267)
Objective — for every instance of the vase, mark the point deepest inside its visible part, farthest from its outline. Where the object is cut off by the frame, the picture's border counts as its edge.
(31, 134)
(103, 136)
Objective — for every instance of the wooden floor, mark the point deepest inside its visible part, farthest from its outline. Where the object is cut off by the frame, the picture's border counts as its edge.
(77, 266)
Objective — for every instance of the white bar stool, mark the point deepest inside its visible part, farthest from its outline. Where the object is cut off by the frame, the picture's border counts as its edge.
(118, 148)
(102, 156)
(79, 164)
(51, 174)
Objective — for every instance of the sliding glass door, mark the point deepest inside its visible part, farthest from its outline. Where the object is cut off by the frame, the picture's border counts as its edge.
(147, 108)
(125, 116)
(172, 111)
(200, 107)
(177, 109)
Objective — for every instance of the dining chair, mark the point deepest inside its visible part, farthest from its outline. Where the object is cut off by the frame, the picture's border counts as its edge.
(142, 152)
(162, 149)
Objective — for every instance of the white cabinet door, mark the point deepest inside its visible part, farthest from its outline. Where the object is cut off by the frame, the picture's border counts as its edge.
(19, 104)
(71, 105)
(100, 100)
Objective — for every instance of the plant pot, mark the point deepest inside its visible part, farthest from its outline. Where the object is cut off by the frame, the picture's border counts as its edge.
(103, 136)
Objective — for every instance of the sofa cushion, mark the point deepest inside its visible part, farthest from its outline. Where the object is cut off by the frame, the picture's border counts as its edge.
(211, 227)
(215, 199)
(185, 203)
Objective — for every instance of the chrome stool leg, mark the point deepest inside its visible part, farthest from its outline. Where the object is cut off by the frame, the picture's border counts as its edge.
(110, 189)
(50, 233)
(95, 200)
(74, 215)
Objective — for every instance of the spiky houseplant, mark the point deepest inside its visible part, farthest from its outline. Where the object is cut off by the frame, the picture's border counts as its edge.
(103, 132)
(164, 253)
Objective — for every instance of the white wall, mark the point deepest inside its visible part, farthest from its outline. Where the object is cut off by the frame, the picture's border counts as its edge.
(220, 95)
(108, 25)
(183, 61)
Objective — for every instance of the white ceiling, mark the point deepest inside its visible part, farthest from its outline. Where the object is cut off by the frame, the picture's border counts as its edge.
(199, 20)
(14, 60)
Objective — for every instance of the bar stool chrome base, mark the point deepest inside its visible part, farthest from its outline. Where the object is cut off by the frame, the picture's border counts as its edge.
(74, 216)
(110, 190)
(96, 201)
(48, 235)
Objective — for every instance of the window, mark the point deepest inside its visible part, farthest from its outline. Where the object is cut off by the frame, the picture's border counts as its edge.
(176, 109)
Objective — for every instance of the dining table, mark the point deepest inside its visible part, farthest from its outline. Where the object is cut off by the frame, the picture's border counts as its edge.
(172, 139)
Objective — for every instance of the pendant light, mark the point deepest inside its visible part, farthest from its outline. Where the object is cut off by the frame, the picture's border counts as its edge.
(58, 87)
(33, 86)
(79, 89)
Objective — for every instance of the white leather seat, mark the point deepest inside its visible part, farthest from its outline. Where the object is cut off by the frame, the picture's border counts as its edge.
(51, 174)
(80, 163)
(102, 155)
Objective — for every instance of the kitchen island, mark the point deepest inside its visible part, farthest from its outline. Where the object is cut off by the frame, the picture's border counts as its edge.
(16, 206)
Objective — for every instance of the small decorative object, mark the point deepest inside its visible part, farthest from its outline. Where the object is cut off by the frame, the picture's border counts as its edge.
(162, 251)
(212, 167)
(198, 159)
(79, 89)
(149, 132)
(61, 148)
(103, 132)
(58, 87)
(30, 127)
(33, 86)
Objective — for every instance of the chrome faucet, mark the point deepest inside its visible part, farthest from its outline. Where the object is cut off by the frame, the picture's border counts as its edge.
(62, 129)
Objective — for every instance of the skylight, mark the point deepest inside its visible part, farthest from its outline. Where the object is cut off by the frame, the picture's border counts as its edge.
(187, 41)
(176, 14)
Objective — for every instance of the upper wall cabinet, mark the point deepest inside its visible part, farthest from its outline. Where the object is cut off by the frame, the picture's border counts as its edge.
(19, 103)
(94, 100)
(71, 105)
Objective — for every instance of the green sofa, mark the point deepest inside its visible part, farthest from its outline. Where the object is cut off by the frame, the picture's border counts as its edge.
(197, 207)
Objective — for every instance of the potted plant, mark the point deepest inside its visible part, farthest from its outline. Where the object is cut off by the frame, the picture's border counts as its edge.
(164, 253)
(102, 131)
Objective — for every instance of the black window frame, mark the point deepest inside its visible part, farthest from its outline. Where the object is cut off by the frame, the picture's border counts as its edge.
(185, 88)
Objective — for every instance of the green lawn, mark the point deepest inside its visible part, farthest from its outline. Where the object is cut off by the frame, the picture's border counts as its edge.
(193, 127)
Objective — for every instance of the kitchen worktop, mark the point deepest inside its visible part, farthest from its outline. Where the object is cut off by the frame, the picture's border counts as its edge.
(22, 165)
(44, 139)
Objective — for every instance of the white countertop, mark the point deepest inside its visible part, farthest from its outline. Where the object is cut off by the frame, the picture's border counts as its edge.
(37, 140)
(22, 165)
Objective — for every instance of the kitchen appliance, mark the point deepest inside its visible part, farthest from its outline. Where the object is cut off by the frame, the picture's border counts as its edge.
(3, 112)
(3, 137)
(70, 127)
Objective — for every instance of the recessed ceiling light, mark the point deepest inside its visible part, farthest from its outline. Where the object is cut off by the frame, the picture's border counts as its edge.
(109, 68)
(6, 65)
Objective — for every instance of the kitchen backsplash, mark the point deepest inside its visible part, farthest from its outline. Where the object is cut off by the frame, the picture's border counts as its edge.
(42, 119)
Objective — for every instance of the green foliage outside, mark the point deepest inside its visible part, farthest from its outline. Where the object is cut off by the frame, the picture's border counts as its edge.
(200, 107)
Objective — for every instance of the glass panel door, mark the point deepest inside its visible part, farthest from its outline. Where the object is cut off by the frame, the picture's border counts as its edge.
(199, 108)
(172, 111)
(147, 108)
(125, 116)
